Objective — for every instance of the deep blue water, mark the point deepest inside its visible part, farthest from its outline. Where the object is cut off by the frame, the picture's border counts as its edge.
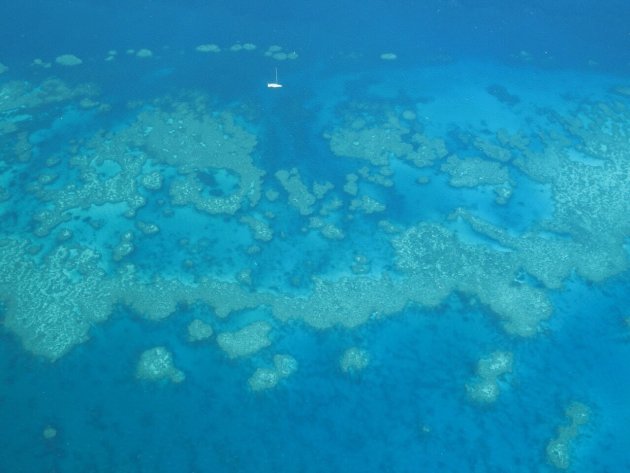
(466, 70)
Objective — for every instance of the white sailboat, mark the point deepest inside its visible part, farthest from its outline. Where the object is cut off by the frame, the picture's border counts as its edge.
(275, 84)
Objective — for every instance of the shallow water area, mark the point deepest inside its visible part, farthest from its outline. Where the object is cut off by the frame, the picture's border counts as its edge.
(413, 255)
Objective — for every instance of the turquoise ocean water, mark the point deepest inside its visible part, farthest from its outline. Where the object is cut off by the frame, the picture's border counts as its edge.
(412, 257)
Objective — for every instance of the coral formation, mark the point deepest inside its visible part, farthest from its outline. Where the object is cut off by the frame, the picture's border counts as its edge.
(198, 330)
(559, 448)
(156, 364)
(354, 360)
(484, 389)
(246, 341)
